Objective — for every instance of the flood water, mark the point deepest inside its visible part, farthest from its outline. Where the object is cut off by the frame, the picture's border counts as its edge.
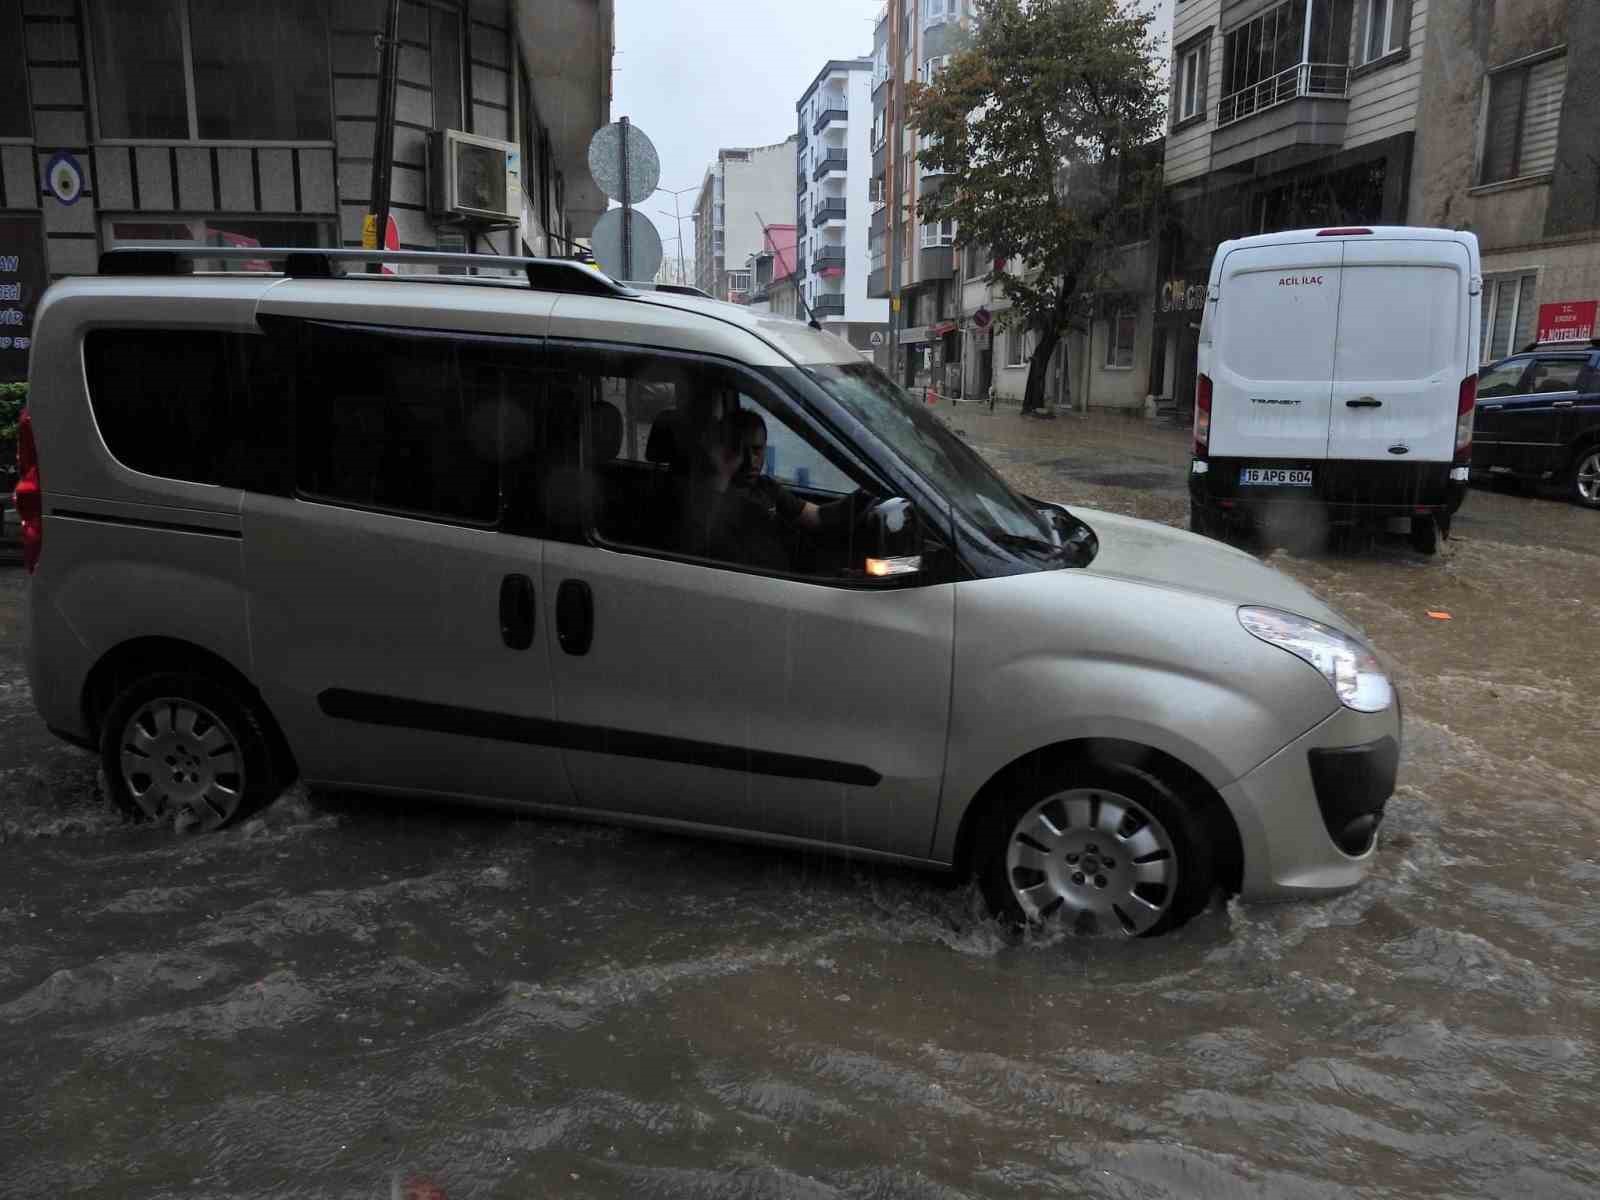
(351, 998)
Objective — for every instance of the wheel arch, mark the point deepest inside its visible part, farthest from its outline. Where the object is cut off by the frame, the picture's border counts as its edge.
(140, 656)
(1208, 803)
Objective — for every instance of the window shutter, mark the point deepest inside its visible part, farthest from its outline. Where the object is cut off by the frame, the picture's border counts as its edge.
(1205, 74)
(1541, 115)
(1501, 120)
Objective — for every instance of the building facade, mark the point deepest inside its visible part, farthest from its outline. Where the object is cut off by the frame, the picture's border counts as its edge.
(772, 272)
(186, 122)
(1284, 114)
(832, 185)
(744, 190)
(1512, 152)
(912, 264)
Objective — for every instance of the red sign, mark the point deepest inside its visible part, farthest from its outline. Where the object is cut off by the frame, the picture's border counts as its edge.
(1568, 321)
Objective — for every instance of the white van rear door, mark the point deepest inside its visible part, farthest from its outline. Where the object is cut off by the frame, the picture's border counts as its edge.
(1402, 350)
(1272, 368)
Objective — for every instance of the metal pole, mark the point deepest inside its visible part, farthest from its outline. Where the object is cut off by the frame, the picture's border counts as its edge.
(892, 165)
(383, 132)
(627, 203)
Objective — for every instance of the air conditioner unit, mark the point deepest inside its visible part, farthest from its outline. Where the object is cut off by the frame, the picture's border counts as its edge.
(474, 178)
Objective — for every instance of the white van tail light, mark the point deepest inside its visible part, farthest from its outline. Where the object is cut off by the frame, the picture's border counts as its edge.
(29, 495)
(1202, 415)
(1466, 405)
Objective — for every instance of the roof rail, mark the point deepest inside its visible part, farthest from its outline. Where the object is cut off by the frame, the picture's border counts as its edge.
(320, 262)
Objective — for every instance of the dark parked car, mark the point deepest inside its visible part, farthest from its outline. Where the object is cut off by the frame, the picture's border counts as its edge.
(1539, 418)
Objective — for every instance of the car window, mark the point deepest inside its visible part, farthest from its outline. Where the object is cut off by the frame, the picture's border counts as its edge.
(1554, 375)
(1502, 379)
(690, 458)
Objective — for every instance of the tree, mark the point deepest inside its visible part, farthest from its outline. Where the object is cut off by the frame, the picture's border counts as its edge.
(1037, 120)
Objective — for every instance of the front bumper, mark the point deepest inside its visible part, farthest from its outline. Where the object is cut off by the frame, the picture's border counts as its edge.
(1326, 787)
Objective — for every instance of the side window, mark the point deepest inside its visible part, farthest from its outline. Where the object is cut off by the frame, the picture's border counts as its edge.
(202, 407)
(1555, 375)
(1502, 380)
(419, 425)
(692, 458)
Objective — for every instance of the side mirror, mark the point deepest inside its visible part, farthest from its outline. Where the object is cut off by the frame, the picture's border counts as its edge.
(894, 539)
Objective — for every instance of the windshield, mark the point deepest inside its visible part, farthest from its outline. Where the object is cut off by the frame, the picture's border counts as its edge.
(928, 446)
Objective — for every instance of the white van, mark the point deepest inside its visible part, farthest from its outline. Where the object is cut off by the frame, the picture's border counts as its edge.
(553, 542)
(1338, 372)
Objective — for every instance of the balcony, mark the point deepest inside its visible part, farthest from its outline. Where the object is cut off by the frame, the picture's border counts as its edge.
(833, 160)
(829, 115)
(1304, 105)
(930, 181)
(800, 181)
(829, 210)
(828, 256)
(829, 304)
(877, 285)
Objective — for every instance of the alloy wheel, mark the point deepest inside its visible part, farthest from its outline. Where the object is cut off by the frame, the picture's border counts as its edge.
(176, 755)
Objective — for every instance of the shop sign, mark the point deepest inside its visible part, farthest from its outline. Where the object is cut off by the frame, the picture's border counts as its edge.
(22, 278)
(1178, 295)
(918, 333)
(1567, 321)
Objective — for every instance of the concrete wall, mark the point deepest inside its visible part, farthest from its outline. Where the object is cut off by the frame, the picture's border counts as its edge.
(764, 185)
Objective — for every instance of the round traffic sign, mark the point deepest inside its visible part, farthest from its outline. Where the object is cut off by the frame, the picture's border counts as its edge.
(606, 150)
(981, 318)
(876, 338)
(645, 245)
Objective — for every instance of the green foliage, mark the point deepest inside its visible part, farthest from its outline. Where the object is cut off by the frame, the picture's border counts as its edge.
(12, 397)
(1038, 120)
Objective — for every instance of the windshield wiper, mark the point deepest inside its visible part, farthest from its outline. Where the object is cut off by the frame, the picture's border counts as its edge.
(1025, 541)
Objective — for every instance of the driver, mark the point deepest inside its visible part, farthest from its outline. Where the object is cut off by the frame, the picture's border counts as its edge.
(771, 496)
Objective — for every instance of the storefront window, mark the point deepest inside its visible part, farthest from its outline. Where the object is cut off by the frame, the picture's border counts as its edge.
(139, 70)
(13, 76)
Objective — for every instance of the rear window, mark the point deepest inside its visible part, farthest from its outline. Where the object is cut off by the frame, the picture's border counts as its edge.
(189, 404)
(1400, 323)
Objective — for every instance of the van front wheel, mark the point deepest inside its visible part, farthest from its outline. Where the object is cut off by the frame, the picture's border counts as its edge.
(182, 747)
(1102, 846)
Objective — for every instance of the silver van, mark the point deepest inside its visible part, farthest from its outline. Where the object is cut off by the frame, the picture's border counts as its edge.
(643, 557)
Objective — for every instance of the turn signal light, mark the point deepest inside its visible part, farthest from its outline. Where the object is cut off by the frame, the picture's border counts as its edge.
(1202, 415)
(28, 497)
(1466, 406)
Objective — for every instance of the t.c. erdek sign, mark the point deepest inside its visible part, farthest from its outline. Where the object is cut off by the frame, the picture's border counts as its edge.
(1567, 321)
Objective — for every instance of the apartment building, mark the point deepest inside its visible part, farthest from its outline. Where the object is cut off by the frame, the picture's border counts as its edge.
(832, 184)
(744, 190)
(912, 264)
(1284, 114)
(1510, 148)
(192, 123)
(773, 273)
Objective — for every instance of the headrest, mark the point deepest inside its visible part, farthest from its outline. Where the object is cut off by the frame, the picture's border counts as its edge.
(662, 445)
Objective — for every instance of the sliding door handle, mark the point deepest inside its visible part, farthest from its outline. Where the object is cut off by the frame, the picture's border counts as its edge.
(516, 611)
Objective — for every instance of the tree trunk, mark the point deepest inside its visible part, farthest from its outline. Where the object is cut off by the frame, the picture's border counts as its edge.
(1038, 368)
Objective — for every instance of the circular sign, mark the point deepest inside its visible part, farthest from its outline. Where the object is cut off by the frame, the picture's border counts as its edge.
(64, 178)
(876, 338)
(606, 150)
(645, 244)
(981, 318)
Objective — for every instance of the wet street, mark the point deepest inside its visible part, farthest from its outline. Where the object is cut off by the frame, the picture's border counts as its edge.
(350, 997)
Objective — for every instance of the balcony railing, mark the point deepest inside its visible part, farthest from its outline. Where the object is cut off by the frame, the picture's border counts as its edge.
(828, 256)
(828, 210)
(827, 115)
(833, 160)
(829, 304)
(1303, 79)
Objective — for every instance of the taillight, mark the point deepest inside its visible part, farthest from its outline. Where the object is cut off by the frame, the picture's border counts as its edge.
(29, 494)
(1202, 415)
(1466, 405)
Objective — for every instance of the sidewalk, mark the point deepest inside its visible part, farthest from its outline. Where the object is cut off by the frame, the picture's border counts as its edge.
(1126, 464)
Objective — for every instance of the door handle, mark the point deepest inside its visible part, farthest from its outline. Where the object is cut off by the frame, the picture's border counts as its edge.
(574, 616)
(1491, 407)
(1561, 404)
(516, 611)
(1364, 402)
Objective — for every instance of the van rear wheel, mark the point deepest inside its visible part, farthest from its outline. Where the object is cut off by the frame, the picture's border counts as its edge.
(1424, 535)
(183, 747)
(1101, 846)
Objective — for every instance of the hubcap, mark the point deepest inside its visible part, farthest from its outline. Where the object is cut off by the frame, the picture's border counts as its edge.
(176, 757)
(1589, 478)
(1096, 858)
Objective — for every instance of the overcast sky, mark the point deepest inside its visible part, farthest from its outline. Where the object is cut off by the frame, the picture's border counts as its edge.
(696, 75)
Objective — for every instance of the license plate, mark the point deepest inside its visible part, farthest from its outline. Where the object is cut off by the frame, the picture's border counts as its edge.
(1275, 476)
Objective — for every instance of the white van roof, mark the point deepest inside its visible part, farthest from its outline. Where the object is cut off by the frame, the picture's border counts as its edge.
(1407, 233)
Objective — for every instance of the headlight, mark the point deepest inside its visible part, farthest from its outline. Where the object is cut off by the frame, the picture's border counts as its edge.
(1349, 667)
